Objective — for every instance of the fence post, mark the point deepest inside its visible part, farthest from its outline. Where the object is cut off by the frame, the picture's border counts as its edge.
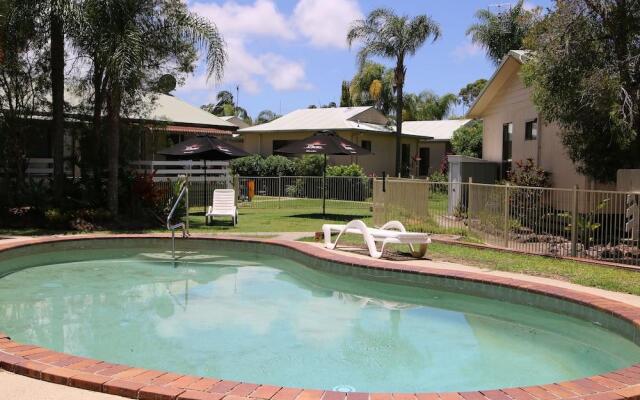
(506, 215)
(574, 223)
(384, 181)
(279, 189)
(187, 201)
(428, 191)
(236, 188)
(469, 203)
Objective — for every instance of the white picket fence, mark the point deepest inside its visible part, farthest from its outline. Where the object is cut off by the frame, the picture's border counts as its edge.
(40, 167)
(215, 171)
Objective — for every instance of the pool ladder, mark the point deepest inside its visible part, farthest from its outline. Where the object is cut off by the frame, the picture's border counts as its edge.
(184, 193)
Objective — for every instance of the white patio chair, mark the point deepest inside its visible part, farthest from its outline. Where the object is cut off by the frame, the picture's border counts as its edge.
(393, 232)
(224, 205)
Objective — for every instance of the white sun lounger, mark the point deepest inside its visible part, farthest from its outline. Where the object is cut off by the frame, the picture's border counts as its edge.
(393, 232)
(224, 205)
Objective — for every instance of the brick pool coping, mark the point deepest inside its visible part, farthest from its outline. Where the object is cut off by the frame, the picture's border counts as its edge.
(138, 383)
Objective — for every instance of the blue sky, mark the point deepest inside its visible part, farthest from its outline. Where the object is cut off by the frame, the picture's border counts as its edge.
(288, 54)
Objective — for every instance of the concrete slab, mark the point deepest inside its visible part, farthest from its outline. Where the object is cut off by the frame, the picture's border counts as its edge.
(18, 387)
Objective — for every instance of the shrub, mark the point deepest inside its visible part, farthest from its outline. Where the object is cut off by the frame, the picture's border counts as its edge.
(248, 166)
(310, 165)
(438, 176)
(526, 173)
(146, 194)
(345, 170)
(278, 166)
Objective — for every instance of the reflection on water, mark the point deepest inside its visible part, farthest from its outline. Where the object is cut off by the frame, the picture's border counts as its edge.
(261, 318)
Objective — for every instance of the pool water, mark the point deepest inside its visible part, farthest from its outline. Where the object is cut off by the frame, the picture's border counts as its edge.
(261, 318)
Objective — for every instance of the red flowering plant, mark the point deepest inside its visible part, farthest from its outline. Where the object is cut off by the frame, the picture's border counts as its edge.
(147, 192)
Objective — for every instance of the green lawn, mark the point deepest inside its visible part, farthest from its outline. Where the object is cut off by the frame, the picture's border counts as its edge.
(279, 220)
(617, 280)
(249, 220)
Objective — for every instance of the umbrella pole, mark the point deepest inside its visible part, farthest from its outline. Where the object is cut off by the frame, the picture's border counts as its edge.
(324, 185)
(206, 192)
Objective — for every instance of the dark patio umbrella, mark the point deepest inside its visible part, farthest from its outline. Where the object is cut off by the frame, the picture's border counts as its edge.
(203, 148)
(326, 143)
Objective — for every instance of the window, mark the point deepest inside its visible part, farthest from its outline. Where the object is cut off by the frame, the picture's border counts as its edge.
(277, 144)
(423, 166)
(406, 159)
(531, 130)
(366, 144)
(507, 141)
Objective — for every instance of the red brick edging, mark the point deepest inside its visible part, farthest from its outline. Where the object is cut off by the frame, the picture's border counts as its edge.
(138, 383)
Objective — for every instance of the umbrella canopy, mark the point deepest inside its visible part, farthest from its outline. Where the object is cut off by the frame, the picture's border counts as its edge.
(327, 143)
(203, 148)
(324, 142)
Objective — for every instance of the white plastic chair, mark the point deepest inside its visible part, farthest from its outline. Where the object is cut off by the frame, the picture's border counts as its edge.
(393, 232)
(224, 205)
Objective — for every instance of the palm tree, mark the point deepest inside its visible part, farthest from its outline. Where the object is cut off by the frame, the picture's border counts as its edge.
(372, 85)
(428, 106)
(131, 41)
(386, 34)
(498, 33)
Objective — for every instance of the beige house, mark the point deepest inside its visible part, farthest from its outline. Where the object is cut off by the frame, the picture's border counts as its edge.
(431, 152)
(365, 126)
(514, 130)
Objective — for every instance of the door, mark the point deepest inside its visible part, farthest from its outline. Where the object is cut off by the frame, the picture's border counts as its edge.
(424, 161)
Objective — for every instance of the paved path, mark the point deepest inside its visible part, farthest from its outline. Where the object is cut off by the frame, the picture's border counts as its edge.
(18, 387)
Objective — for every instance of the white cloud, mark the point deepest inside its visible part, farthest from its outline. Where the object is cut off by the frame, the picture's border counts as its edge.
(261, 18)
(466, 50)
(283, 74)
(529, 6)
(240, 24)
(325, 22)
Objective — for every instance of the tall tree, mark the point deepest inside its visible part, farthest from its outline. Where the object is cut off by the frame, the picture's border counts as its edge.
(467, 140)
(56, 42)
(266, 116)
(585, 76)
(345, 96)
(471, 91)
(385, 34)
(24, 83)
(135, 42)
(428, 106)
(504, 30)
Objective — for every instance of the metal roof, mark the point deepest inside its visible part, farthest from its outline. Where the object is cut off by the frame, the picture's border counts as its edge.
(163, 109)
(435, 130)
(168, 108)
(232, 119)
(316, 119)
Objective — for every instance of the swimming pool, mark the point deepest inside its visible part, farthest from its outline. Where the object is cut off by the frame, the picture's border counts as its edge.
(254, 312)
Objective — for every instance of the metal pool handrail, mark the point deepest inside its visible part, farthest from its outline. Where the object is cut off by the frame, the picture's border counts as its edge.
(185, 227)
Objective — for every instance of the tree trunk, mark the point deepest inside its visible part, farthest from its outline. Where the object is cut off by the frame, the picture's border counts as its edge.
(96, 139)
(114, 101)
(57, 100)
(399, 81)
